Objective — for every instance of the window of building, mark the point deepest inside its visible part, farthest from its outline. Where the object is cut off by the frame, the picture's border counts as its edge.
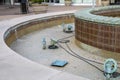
(82, 1)
(87, 1)
(16, 1)
(117, 1)
(46, 0)
(57, 1)
(114, 2)
(51, 1)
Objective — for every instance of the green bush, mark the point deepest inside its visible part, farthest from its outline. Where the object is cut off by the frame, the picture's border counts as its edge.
(37, 1)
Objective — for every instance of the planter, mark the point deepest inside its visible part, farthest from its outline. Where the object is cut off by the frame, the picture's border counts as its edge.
(105, 3)
(40, 8)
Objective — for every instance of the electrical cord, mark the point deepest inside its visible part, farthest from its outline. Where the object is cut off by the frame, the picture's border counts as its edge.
(65, 38)
(79, 58)
(74, 54)
(62, 40)
(83, 57)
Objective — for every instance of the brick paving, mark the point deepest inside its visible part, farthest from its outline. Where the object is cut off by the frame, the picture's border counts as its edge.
(7, 12)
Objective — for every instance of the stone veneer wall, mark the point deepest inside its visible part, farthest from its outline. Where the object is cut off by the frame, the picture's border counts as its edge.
(24, 28)
(100, 34)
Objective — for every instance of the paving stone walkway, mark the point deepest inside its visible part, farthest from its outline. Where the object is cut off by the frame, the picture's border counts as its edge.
(7, 13)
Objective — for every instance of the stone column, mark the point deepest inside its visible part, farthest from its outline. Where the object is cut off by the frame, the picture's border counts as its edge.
(12, 2)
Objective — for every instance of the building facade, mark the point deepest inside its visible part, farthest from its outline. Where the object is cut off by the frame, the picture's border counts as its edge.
(71, 2)
(9, 2)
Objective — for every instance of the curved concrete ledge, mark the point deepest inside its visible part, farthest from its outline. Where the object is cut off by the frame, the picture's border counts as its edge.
(15, 67)
(89, 15)
(36, 24)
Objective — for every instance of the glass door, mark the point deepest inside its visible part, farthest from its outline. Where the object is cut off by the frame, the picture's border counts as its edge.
(7, 2)
(112, 1)
(77, 1)
(51, 1)
(117, 1)
(57, 1)
(46, 1)
(82, 1)
(87, 1)
(17, 1)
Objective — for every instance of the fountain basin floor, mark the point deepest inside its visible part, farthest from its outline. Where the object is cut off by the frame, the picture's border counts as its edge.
(30, 46)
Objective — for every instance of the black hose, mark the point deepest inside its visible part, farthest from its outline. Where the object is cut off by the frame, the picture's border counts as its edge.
(62, 40)
(80, 58)
(72, 53)
(65, 38)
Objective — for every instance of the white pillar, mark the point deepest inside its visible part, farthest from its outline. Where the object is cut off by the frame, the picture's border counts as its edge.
(12, 2)
(93, 3)
(62, 1)
(99, 2)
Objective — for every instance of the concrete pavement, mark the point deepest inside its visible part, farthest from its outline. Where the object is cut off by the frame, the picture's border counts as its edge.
(9, 13)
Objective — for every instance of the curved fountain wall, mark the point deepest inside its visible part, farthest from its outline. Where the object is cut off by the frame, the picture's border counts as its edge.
(36, 24)
(99, 28)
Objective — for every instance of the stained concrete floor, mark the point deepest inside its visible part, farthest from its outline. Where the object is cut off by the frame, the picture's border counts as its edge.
(30, 46)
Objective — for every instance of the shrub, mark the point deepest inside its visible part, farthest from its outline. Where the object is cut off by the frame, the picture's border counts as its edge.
(37, 1)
